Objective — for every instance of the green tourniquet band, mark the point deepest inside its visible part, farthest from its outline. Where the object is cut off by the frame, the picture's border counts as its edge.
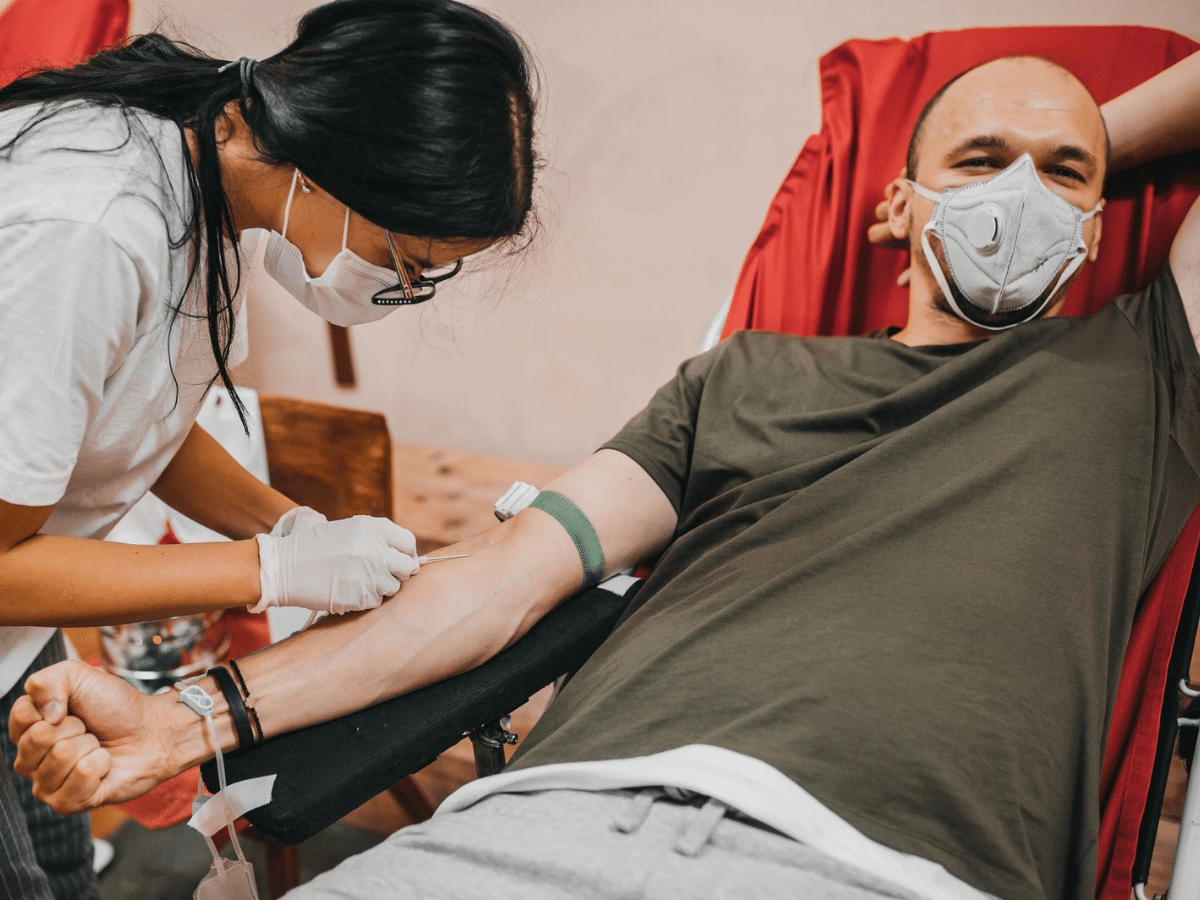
(571, 517)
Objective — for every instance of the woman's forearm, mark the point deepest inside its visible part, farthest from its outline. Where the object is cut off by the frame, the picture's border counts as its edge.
(1157, 118)
(66, 581)
(205, 483)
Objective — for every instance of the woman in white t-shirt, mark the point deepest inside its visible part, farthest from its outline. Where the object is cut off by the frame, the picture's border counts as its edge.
(391, 139)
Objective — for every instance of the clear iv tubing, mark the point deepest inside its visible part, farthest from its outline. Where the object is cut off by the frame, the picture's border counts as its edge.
(237, 847)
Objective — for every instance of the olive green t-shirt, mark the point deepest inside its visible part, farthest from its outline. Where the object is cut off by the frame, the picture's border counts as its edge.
(905, 576)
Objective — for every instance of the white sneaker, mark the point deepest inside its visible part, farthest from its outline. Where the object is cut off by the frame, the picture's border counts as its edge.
(103, 854)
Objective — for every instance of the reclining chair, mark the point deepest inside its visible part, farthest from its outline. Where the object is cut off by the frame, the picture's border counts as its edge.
(812, 271)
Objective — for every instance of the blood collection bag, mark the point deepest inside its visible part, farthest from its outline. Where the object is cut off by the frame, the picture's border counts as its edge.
(228, 879)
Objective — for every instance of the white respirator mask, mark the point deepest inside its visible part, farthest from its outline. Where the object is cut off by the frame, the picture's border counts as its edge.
(1005, 241)
(342, 293)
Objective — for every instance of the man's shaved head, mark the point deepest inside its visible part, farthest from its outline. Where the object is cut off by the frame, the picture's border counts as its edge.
(992, 71)
(979, 124)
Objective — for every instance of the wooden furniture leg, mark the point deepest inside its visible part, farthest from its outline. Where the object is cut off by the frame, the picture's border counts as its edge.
(407, 793)
(283, 865)
(343, 359)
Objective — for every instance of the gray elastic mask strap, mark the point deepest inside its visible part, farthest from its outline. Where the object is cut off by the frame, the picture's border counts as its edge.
(571, 518)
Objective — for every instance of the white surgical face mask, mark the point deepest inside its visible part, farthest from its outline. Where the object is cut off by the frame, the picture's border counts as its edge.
(342, 293)
(1004, 240)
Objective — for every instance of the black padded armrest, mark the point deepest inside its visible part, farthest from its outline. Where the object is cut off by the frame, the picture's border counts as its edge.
(325, 771)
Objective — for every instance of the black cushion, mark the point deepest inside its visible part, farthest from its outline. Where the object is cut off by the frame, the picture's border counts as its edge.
(327, 770)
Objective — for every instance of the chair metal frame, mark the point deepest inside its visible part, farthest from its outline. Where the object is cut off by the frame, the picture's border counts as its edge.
(1185, 875)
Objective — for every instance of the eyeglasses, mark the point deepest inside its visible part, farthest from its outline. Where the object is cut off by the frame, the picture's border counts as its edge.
(408, 292)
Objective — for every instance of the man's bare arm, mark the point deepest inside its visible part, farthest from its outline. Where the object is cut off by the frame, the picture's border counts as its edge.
(458, 614)
(1158, 118)
(116, 744)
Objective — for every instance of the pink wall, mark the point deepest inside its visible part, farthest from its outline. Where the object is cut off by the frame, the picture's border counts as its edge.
(667, 125)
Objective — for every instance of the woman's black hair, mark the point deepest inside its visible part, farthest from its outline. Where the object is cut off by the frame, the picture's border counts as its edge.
(417, 114)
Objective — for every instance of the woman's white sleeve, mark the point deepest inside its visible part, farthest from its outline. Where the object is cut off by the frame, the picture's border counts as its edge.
(69, 300)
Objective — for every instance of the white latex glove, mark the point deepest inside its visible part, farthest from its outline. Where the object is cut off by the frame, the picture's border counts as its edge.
(335, 567)
(296, 518)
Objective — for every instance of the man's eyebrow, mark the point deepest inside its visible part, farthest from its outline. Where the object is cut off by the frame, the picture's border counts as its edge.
(1076, 153)
(980, 142)
(1073, 152)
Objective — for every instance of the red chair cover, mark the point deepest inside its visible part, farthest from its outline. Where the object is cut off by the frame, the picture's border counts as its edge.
(812, 271)
(35, 33)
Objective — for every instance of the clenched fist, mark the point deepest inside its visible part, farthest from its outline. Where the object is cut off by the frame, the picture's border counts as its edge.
(86, 738)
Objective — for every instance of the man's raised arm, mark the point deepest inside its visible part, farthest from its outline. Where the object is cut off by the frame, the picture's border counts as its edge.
(1155, 119)
(86, 738)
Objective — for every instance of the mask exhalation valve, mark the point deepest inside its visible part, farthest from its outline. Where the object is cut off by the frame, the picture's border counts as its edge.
(985, 228)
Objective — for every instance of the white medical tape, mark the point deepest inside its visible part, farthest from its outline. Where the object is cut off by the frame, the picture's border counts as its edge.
(231, 803)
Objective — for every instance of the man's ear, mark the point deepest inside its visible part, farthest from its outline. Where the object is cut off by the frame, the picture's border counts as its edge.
(899, 194)
(1097, 227)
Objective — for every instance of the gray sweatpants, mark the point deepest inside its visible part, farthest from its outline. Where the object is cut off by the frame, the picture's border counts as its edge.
(42, 854)
(583, 844)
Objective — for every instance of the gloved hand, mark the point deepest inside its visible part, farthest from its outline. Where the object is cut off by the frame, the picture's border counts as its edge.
(339, 566)
(296, 518)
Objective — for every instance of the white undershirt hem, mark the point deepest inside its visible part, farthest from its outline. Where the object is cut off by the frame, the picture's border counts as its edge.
(749, 785)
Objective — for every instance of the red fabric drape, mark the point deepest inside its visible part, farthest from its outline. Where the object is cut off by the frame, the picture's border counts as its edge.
(36, 33)
(812, 271)
(1133, 734)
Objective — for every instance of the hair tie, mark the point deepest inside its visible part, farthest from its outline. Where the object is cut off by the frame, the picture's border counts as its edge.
(245, 71)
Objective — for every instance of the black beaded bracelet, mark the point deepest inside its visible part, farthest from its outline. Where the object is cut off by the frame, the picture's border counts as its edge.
(237, 673)
(237, 706)
(257, 724)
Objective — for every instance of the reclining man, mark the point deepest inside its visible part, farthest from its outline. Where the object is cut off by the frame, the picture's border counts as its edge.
(895, 574)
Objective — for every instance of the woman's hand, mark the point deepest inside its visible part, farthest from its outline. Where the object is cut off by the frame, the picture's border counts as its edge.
(880, 235)
(295, 519)
(337, 567)
(86, 738)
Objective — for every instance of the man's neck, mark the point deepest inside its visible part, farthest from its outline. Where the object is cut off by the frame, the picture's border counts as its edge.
(928, 327)
(930, 320)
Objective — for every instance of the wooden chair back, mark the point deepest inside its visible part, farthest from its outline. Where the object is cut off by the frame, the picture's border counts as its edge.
(334, 459)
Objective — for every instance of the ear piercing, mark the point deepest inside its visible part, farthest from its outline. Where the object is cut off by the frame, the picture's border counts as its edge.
(304, 188)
